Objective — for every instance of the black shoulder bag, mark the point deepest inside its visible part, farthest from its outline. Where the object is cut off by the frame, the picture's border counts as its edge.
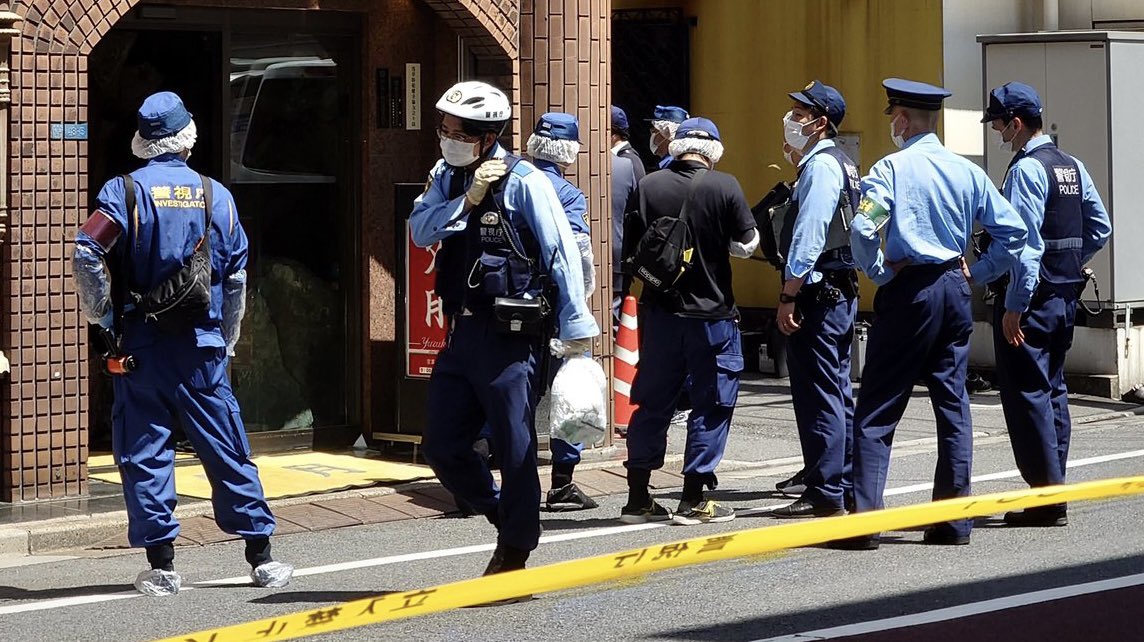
(665, 252)
(184, 298)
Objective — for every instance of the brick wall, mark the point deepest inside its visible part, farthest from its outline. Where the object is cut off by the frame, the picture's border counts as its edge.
(43, 408)
(565, 65)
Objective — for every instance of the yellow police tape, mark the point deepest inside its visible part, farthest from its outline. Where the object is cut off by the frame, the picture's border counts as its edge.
(615, 566)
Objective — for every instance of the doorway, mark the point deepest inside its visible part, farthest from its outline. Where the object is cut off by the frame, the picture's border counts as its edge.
(275, 96)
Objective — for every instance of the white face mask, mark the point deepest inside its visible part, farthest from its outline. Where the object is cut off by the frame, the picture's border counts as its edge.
(999, 137)
(792, 132)
(653, 144)
(898, 139)
(459, 154)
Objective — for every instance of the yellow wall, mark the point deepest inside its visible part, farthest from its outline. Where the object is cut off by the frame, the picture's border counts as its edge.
(746, 55)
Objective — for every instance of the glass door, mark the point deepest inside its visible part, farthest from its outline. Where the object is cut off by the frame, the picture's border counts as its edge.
(291, 172)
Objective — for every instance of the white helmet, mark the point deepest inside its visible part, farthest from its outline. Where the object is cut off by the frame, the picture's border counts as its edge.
(478, 102)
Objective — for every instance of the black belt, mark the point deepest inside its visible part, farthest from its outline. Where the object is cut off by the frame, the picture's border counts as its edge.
(932, 268)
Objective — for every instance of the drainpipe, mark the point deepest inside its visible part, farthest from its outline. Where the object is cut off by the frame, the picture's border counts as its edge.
(8, 31)
(1050, 15)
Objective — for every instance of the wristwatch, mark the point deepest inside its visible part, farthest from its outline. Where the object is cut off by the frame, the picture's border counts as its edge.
(786, 298)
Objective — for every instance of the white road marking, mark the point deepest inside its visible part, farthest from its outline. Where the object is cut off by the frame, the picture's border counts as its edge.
(960, 611)
(63, 602)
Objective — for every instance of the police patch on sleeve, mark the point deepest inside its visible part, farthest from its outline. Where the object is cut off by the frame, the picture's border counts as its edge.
(873, 211)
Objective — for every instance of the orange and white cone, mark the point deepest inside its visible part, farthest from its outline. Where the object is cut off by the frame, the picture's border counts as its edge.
(624, 365)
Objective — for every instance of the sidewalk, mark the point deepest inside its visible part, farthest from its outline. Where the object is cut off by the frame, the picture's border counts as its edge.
(763, 439)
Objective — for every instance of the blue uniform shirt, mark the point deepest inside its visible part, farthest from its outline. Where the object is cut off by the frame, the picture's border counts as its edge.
(571, 198)
(665, 161)
(1027, 188)
(933, 196)
(820, 183)
(168, 198)
(529, 194)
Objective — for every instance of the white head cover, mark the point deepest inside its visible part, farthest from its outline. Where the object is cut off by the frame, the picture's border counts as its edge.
(184, 140)
(561, 152)
(708, 148)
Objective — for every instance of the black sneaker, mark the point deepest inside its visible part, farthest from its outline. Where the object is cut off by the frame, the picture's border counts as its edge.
(976, 383)
(653, 511)
(569, 498)
(795, 486)
(1038, 518)
(705, 512)
(944, 536)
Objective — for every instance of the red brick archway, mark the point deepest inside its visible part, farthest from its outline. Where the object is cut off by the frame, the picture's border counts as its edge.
(43, 409)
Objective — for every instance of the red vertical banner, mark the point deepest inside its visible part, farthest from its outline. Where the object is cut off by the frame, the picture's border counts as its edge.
(426, 325)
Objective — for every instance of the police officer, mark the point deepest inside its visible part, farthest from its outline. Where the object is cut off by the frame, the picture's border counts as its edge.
(624, 200)
(1068, 224)
(146, 226)
(621, 142)
(553, 147)
(690, 332)
(506, 250)
(819, 300)
(664, 123)
(924, 199)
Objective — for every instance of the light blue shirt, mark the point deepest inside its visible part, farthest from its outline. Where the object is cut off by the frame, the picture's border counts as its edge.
(933, 196)
(1027, 188)
(820, 183)
(529, 194)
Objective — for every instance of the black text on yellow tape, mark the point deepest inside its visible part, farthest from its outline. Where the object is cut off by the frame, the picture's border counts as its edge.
(614, 566)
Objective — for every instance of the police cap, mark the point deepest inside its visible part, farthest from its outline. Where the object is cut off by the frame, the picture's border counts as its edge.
(558, 126)
(670, 113)
(913, 94)
(162, 115)
(1013, 99)
(700, 128)
(825, 99)
(619, 119)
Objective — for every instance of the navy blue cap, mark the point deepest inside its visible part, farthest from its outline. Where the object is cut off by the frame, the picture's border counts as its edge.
(670, 113)
(558, 126)
(825, 99)
(697, 128)
(619, 118)
(1012, 99)
(917, 95)
(162, 115)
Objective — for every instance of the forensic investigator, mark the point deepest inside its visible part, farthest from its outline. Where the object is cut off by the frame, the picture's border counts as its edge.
(691, 332)
(507, 271)
(1056, 198)
(665, 122)
(924, 199)
(553, 146)
(146, 229)
(819, 300)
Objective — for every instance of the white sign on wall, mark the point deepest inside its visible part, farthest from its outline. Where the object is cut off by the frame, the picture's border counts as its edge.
(412, 95)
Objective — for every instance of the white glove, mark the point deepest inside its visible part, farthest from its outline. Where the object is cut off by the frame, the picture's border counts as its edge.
(587, 263)
(745, 250)
(488, 173)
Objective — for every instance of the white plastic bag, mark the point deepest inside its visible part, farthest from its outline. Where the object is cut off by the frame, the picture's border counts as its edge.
(578, 413)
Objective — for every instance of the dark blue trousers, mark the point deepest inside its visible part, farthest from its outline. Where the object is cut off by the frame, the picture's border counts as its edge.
(673, 348)
(177, 380)
(818, 356)
(483, 376)
(1033, 392)
(921, 331)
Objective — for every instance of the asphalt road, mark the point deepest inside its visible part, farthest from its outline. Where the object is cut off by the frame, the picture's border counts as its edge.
(798, 591)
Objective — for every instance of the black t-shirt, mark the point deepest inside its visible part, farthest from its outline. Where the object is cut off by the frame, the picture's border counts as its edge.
(717, 215)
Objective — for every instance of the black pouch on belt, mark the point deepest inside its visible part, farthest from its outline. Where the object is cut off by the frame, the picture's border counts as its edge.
(524, 317)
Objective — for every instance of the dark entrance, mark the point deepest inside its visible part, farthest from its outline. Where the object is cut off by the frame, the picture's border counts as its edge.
(651, 62)
(275, 96)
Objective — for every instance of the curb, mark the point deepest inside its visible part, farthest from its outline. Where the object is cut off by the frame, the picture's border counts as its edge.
(1106, 416)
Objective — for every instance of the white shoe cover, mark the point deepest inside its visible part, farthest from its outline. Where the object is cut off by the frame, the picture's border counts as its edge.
(158, 583)
(272, 574)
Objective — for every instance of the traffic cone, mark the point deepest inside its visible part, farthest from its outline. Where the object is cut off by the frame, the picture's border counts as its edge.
(627, 358)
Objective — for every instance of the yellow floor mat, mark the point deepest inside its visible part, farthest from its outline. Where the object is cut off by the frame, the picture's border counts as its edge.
(300, 474)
